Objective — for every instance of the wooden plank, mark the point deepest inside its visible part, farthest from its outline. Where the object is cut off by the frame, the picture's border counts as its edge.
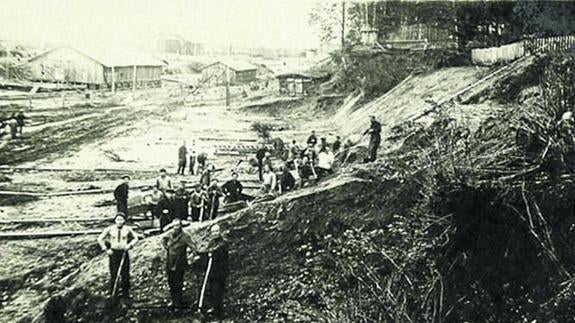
(69, 220)
(41, 235)
(54, 220)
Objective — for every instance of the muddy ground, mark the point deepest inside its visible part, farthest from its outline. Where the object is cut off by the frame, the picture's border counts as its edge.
(66, 140)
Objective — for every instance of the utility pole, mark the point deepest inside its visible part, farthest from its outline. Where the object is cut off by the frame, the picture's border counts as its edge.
(113, 80)
(228, 77)
(134, 79)
(342, 25)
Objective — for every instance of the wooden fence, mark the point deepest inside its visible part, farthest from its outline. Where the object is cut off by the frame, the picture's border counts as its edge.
(511, 52)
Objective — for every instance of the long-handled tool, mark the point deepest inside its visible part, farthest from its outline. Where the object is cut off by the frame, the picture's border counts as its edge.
(213, 205)
(202, 210)
(313, 171)
(203, 292)
(117, 280)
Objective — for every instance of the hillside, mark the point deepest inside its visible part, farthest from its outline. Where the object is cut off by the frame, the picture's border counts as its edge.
(467, 218)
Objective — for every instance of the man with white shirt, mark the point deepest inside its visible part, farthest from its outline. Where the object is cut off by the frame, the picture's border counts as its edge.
(269, 180)
(325, 160)
(116, 240)
(164, 183)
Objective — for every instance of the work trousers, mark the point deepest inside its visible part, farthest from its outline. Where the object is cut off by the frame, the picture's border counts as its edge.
(176, 284)
(195, 213)
(373, 146)
(215, 292)
(192, 165)
(124, 281)
(260, 169)
(181, 166)
(122, 206)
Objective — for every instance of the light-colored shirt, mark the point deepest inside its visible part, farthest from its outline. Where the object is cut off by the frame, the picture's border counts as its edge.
(164, 183)
(270, 179)
(325, 160)
(119, 238)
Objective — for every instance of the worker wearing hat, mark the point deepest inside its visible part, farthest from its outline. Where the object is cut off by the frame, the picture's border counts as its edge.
(116, 240)
(121, 195)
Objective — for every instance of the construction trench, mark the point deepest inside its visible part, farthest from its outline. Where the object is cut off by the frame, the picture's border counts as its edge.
(456, 220)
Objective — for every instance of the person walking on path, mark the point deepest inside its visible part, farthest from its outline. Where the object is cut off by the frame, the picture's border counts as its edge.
(176, 243)
(116, 240)
(182, 158)
(374, 132)
(121, 195)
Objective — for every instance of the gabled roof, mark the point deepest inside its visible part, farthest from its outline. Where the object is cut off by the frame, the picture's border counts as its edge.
(112, 56)
(236, 65)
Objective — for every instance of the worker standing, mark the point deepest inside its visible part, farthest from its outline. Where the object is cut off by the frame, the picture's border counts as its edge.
(196, 202)
(181, 202)
(336, 144)
(121, 195)
(260, 155)
(374, 132)
(164, 183)
(213, 278)
(232, 189)
(166, 209)
(213, 204)
(270, 180)
(182, 158)
(176, 242)
(20, 117)
(192, 162)
(312, 139)
(325, 160)
(116, 240)
(13, 124)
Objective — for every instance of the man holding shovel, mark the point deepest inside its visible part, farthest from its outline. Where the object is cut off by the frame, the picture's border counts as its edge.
(116, 240)
(212, 272)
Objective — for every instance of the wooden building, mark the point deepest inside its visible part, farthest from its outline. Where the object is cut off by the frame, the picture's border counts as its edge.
(239, 72)
(112, 68)
(298, 84)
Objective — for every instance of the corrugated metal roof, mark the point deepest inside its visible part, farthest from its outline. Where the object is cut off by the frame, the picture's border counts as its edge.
(236, 65)
(113, 56)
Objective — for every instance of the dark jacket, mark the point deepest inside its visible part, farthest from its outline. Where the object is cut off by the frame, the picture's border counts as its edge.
(233, 189)
(121, 193)
(182, 153)
(374, 131)
(287, 181)
(312, 140)
(260, 154)
(176, 244)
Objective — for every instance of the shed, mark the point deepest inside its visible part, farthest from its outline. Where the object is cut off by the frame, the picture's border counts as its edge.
(97, 68)
(240, 72)
(298, 83)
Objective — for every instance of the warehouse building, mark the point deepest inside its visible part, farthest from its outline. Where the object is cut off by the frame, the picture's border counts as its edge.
(239, 72)
(112, 68)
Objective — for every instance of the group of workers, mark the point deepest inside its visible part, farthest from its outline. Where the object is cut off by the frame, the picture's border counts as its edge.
(210, 263)
(315, 161)
(15, 123)
(173, 206)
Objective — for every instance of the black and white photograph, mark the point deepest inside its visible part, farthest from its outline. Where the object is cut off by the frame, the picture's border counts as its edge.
(305, 161)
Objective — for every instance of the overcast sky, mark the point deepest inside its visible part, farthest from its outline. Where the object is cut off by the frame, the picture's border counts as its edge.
(271, 23)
